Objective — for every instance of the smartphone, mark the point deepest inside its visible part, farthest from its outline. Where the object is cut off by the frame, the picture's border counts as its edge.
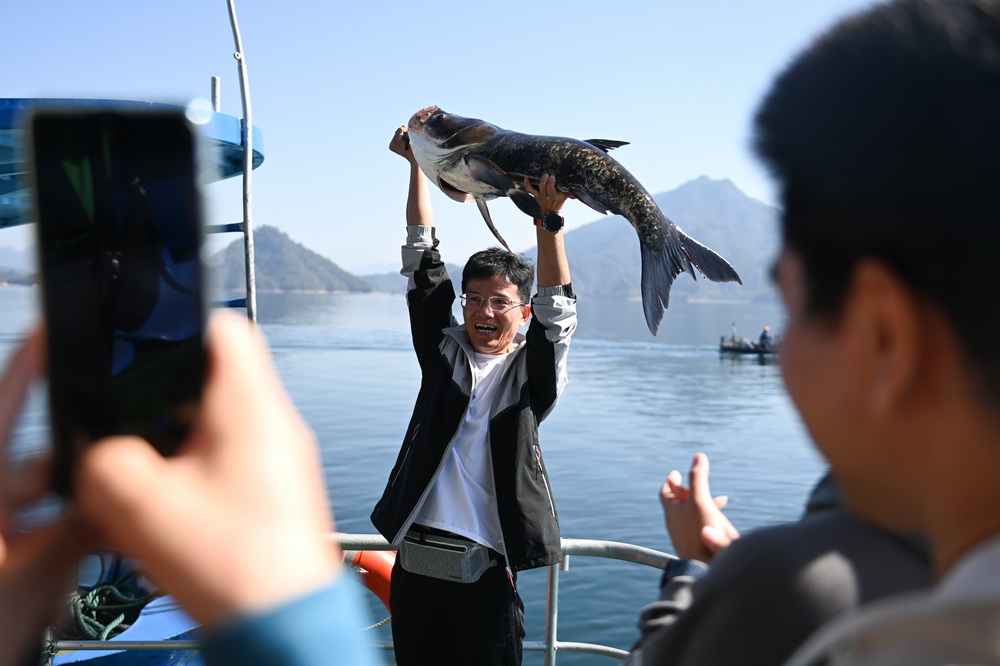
(119, 228)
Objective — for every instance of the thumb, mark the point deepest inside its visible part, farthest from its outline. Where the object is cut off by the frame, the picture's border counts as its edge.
(113, 475)
(713, 539)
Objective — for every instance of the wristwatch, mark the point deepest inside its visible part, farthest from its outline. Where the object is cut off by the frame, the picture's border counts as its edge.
(551, 222)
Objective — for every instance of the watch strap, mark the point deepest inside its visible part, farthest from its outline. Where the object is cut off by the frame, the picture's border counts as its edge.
(675, 568)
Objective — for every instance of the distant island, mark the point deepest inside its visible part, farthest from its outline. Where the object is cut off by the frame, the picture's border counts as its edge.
(604, 254)
(12, 277)
(281, 265)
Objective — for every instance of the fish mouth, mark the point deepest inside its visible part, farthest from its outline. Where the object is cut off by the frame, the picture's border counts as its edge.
(418, 119)
(453, 192)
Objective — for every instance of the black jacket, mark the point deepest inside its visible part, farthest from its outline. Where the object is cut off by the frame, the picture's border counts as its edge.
(529, 389)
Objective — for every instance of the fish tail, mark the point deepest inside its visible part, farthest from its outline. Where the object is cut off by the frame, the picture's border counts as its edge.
(706, 260)
(662, 262)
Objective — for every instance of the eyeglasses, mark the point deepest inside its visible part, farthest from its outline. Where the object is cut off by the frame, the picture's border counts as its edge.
(497, 303)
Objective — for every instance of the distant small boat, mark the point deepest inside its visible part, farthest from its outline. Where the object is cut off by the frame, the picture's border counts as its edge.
(738, 345)
(735, 344)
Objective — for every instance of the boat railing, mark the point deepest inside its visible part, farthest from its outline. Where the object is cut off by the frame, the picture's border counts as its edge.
(551, 646)
(570, 547)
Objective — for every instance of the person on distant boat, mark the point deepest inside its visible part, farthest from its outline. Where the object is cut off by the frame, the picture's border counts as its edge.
(468, 500)
(765, 338)
(235, 526)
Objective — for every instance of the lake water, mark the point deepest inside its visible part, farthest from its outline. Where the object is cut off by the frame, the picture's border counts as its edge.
(636, 407)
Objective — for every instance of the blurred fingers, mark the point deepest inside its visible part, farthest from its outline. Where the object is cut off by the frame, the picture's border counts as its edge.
(712, 539)
(241, 373)
(21, 369)
(28, 482)
(673, 488)
(39, 570)
(698, 478)
(114, 476)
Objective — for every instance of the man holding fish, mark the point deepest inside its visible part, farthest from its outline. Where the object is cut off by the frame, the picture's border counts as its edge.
(468, 500)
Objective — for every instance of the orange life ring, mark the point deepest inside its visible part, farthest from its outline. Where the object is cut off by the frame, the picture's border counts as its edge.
(375, 567)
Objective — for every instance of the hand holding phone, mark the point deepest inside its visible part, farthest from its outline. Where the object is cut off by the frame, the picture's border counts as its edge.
(119, 226)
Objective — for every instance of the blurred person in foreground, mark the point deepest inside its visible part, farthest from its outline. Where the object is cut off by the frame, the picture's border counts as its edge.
(236, 526)
(884, 138)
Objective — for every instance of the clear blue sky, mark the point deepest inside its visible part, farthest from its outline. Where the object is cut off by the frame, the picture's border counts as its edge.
(331, 80)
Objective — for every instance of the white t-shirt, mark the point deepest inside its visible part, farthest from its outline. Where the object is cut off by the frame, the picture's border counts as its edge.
(462, 498)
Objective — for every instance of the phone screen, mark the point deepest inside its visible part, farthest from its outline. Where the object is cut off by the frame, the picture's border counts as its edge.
(118, 217)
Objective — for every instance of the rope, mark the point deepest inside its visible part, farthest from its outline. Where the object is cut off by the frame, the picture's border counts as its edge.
(105, 611)
(377, 624)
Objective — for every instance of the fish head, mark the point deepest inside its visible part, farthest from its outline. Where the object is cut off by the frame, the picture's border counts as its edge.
(439, 139)
(449, 132)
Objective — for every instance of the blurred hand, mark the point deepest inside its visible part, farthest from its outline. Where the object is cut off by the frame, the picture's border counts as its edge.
(549, 198)
(37, 568)
(400, 144)
(695, 521)
(238, 521)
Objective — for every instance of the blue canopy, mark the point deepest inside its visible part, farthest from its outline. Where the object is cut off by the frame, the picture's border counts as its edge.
(221, 133)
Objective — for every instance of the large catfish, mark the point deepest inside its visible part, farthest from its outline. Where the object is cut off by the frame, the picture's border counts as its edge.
(472, 159)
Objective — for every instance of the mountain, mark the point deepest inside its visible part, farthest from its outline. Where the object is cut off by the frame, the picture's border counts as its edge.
(393, 282)
(604, 255)
(16, 277)
(21, 261)
(281, 265)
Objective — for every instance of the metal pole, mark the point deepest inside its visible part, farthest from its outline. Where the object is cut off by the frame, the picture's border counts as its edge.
(552, 615)
(216, 94)
(247, 165)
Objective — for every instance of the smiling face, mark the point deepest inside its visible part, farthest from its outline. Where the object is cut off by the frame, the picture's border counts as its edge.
(493, 332)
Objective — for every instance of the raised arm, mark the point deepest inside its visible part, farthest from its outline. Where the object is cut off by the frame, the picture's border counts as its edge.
(553, 266)
(418, 199)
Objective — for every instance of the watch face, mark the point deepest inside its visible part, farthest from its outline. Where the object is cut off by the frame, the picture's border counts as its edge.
(552, 222)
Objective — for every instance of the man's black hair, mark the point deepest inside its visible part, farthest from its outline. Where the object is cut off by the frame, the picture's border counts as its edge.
(884, 137)
(494, 261)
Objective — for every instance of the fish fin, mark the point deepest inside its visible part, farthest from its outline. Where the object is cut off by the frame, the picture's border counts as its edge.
(484, 170)
(587, 198)
(659, 269)
(706, 260)
(662, 262)
(481, 202)
(527, 203)
(606, 144)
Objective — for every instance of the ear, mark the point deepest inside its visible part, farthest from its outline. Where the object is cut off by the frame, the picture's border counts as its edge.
(892, 332)
(525, 314)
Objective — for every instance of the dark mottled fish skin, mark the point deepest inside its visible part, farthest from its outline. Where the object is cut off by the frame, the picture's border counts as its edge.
(595, 178)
